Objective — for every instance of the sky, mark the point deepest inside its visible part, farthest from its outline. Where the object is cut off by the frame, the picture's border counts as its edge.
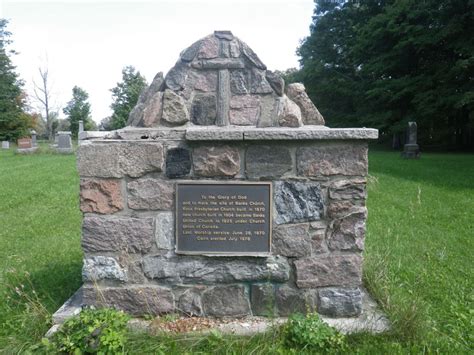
(87, 43)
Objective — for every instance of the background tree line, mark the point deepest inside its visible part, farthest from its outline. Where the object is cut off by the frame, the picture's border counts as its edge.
(383, 63)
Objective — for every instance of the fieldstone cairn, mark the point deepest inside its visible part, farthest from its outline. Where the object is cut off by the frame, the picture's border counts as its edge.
(411, 150)
(220, 117)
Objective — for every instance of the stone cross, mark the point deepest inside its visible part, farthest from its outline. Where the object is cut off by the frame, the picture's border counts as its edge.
(222, 65)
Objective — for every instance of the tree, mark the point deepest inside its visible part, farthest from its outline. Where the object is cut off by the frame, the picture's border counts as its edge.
(43, 95)
(77, 109)
(14, 123)
(383, 63)
(125, 96)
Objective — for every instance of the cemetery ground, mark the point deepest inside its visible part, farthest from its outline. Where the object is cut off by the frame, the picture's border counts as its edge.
(418, 258)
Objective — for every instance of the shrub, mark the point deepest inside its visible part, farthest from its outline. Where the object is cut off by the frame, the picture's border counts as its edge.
(311, 333)
(92, 331)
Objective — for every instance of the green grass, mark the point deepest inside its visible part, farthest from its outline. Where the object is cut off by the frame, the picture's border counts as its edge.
(418, 262)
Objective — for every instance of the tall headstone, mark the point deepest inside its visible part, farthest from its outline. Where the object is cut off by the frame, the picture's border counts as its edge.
(33, 138)
(5, 145)
(64, 142)
(411, 150)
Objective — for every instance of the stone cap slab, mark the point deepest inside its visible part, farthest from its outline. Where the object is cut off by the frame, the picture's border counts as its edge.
(271, 133)
(234, 133)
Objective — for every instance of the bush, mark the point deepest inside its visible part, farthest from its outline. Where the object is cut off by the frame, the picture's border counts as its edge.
(311, 333)
(92, 331)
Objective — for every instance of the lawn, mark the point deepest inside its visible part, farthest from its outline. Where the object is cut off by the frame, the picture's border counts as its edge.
(419, 248)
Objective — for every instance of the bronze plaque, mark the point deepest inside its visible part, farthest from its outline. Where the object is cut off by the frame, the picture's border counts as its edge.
(223, 218)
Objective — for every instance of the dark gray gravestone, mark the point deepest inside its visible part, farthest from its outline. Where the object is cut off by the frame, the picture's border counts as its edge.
(411, 150)
(64, 142)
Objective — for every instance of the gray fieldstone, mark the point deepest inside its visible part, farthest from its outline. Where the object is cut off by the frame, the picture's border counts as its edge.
(297, 202)
(216, 161)
(259, 83)
(340, 302)
(251, 56)
(276, 82)
(234, 48)
(288, 114)
(267, 161)
(98, 268)
(101, 234)
(332, 159)
(176, 77)
(291, 240)
(136, 115)
(189, 302)
(204, 110)
(297, 93)
(164, 230)
(189, 269)
(290, 301)
(268, 108)
(338, 209)
(262, 298)
(225, 301)
(203, 81)
(318, 239)
(244, 110)
(330, 270)
(147, 111)
(348, 233)
(138, 300)
(239, 82)
(175, 111)
(223, 98)
(348, 190)
(150, 194)
(101, 196)
(178, 162)
(190, 53)
(227, 35)
(114, 160)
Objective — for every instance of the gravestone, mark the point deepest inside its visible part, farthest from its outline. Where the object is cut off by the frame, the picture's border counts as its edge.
(411, 150)
(33, 138)
(224, 196)
(5, 145)
(64, 145)
(25, 146)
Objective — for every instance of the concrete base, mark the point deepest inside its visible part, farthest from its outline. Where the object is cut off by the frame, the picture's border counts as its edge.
(26, 150)
(371, 320)
(411, 151)
(64, 150)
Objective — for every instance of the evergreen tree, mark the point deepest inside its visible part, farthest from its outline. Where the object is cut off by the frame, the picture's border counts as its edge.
(125, 96)
(384, 63)
(78, 109)
(14, 123)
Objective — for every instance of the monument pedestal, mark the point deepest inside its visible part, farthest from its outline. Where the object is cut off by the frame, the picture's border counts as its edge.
(411, 151)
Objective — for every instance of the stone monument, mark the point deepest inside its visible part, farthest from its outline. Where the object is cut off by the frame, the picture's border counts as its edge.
(25, 146)
(224, 196)
(411, 150)
(64, 145)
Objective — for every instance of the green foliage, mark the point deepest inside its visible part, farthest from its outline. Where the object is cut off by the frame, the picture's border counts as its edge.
(311, 333)
(384, 63)
(78, 109)
(91, 332)
(125, 96)
(14, 123)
